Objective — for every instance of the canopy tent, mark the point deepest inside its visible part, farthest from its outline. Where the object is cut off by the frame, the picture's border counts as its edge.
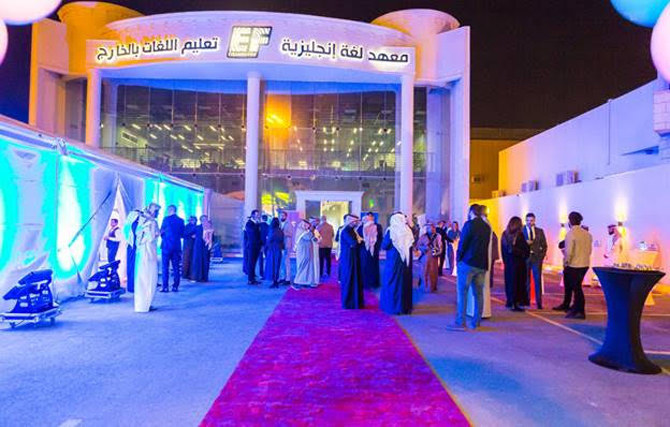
(56, 199)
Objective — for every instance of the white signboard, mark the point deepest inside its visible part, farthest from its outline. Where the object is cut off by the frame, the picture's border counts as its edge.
(250, 42)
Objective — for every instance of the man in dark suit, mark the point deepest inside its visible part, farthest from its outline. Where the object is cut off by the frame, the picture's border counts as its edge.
(538, 250)
(172, 231)
(472, 263)
(253, 244)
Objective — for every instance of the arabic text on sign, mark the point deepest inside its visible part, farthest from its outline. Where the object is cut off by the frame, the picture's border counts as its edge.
(156, 47)
(388, 57)
(334, 51)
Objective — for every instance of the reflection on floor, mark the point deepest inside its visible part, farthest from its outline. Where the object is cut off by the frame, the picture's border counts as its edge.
(102, 364)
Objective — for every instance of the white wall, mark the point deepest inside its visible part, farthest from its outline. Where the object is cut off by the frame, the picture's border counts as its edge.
(595, 144)
(49, 59)
(454, 66)
(638, 198)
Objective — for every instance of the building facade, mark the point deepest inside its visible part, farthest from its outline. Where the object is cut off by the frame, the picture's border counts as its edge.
(273, 109)
(609, 164)
(485, 146)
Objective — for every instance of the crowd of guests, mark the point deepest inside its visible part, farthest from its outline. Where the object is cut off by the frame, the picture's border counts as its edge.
(523, 249)
(439, 248)
(186, 247)
(268, 243)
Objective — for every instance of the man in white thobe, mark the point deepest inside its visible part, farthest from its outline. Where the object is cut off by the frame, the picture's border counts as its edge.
(615, 251)
(146, 261)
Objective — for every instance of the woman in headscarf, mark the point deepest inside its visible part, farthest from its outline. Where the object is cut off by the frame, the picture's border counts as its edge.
(274, 246)
(430, 247)
(304, 257)
(146, 261)
(369, 252)
(189, 242)
(201, 250)
(515, 252)
(396, 293)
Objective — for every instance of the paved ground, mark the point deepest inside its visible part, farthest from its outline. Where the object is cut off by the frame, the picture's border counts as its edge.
(102, 364)
(532, 368)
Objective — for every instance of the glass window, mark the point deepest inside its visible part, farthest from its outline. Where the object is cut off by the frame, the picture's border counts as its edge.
(329, 136)
(184, 132)
(320, 136)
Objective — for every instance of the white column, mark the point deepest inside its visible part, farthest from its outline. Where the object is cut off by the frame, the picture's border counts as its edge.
(93, 91)
(110, 91)
(460, 149)
(253, 131)
(459, 153)
(397, 133)
(406, 143)
(434, 150)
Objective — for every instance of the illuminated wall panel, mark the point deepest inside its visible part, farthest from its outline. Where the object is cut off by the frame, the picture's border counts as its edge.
(55, 206)
(623, 197)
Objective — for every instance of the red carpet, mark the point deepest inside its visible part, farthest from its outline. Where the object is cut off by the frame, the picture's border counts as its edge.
(314, 363)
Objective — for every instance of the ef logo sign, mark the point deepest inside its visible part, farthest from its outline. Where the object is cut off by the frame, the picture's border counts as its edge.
(246, 42)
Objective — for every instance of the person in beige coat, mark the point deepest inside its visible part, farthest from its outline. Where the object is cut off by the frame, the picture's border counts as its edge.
(578, 244)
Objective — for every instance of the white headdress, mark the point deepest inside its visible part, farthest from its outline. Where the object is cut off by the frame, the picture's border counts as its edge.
(401, 236)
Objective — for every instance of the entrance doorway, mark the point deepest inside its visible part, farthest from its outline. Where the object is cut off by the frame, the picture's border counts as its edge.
(313, 203)
(333, 204)
(335, 211)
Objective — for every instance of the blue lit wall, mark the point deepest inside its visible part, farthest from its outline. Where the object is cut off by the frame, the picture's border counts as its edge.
(55, 208)
(187, 201)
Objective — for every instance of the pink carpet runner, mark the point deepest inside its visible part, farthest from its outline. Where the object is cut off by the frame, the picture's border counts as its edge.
(314, 363)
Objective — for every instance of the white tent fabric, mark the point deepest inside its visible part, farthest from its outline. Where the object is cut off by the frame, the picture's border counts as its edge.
(56, 199)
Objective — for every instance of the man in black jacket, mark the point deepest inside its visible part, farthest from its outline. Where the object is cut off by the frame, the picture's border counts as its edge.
(252, 245)
(172, 231)
(538, 251)
(472, 258)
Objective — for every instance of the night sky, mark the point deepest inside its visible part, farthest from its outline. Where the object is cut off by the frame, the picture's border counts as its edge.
(535, 63)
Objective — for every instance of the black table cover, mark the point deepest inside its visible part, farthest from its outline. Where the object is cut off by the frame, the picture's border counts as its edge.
(625, 292)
